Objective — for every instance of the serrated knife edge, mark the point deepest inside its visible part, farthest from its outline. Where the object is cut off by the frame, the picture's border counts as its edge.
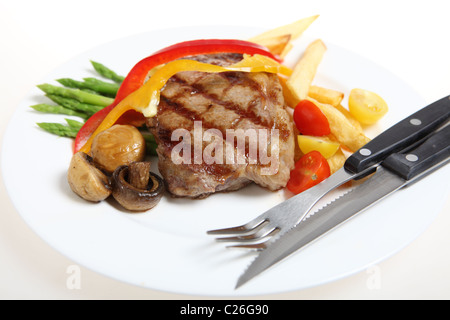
(323, 221)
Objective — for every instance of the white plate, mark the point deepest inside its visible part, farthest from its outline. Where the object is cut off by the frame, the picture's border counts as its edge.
(167, 248)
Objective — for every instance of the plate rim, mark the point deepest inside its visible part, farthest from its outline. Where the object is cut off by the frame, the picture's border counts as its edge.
(16, 112)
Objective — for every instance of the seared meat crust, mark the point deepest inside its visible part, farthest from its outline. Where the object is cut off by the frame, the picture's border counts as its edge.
(221, 101)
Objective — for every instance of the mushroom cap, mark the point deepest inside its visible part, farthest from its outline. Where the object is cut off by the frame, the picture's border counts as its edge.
(133, 198)
(86, 180)
(118, 145)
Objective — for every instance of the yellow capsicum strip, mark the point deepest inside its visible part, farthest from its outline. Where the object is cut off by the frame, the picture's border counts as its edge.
(146, 98)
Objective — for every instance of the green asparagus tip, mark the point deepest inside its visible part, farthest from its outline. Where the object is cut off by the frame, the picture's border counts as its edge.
(58, 129)
(76, 94)
(106, 72)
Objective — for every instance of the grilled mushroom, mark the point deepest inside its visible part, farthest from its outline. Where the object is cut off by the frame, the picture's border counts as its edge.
(86, 179)
(136, 188)
(118, 145)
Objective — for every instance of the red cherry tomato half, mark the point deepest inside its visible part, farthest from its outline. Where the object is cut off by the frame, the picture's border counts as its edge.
(309, 170)
(310, 120)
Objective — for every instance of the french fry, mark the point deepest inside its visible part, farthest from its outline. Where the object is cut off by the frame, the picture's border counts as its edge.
(350, 118)
(324, 95)
(277, 44)
(342, 128)
(320, 94)
(286, 50)
(289, 98)
(305, 70)
(336, 161)
(345, 129)
(294, 29)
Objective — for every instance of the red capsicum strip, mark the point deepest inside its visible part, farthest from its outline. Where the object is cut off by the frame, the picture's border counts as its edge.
(138, 74)
(146, 99)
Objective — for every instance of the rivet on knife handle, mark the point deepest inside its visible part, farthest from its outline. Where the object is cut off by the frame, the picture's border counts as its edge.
(409, 130)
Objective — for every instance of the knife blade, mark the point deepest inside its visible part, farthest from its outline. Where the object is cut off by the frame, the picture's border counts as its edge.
(396, 171)
(401, 135)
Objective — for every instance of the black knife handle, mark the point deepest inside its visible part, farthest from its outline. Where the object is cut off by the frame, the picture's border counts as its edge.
(401, 135)
(409, 164)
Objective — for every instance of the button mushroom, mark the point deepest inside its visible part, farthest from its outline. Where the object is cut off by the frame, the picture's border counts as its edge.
(86, 179)
(118, 145)
(136, 188)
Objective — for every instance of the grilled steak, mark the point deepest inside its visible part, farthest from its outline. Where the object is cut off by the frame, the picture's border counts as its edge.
(198, 103)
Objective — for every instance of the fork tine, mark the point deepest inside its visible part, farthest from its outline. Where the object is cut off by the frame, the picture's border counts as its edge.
(263, 232)
(242, 229)
(253, 246)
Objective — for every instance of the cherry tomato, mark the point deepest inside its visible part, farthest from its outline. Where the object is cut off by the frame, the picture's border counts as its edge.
(367, 107)
(309, 170)
(325, 146)
(310, 120)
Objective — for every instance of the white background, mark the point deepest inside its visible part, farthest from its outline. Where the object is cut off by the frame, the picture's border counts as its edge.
(410, 38)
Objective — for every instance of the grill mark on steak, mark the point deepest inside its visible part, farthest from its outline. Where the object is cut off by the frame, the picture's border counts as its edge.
(217, 172)
(179, 109)
(221, 101)
(234, 78)
(192, 115)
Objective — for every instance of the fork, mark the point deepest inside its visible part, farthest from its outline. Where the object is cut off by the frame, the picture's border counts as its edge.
(287, 214)
(258, 232)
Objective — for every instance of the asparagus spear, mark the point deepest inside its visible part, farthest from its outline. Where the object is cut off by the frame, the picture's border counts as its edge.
(107, 87)
(74, 124)
(107, 73)
(56, 109)
(81, 101)
(76, 94)
(58, 129)
(73, 104)
(92, 84)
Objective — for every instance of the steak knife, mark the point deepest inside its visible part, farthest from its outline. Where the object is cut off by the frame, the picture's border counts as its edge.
(363, 162)
(396, 171)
